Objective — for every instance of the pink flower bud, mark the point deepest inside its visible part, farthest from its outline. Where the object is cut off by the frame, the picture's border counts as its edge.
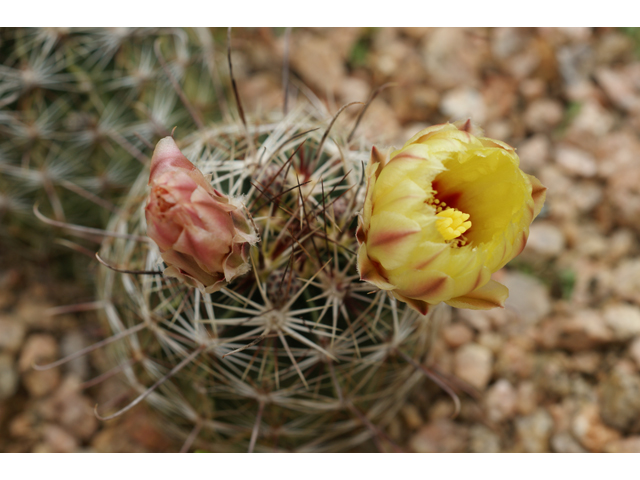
(203, 235)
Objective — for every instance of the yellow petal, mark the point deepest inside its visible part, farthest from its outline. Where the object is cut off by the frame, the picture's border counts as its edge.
(491, 295)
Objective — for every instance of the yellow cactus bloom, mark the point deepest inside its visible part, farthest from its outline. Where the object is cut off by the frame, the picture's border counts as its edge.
(442, 214)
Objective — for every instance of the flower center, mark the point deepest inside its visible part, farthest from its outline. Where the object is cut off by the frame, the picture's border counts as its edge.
(452, 222)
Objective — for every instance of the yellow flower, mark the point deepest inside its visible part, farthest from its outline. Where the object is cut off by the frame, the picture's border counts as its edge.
(442, 214)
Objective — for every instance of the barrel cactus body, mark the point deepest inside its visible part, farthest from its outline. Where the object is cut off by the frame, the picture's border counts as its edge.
(298, 354)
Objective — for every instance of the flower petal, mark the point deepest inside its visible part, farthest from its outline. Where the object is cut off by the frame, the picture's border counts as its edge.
(491, 295)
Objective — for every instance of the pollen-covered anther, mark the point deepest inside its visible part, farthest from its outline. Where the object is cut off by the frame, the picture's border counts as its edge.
(452, 223)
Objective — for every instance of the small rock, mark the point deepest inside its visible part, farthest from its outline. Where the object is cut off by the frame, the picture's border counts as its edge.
(8, 376)
(483, 440)
(463, 103)
(584, 196)
(575, 161)
(590, 431)
(563, 442)
(477, 319)
(619, 244)
(70, 343)
(533, 431)
(620, 399)
(315, 60)
(584, 330)
(354, 90)
(526, 398)
(528, 297)
(473, 364)
(23, 425)
(551, 375)
(440, 436)
(40, 383)
(33, 313)
(411, 416)
(515, 359)
(11, 334)
(38, 349)
(543, 114)
(586, 362)
(627, 280)
(441, 409)
(545, 239)
(624, 320)
(71, 409)
(534, 152)
(500, 401)
(618, 85)
(457, 334)
(493, 341)
(593, 119)
(634, 352)
(624, 445)
(58, 440)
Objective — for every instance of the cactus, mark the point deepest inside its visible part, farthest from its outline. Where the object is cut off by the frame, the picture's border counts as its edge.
(296, 355)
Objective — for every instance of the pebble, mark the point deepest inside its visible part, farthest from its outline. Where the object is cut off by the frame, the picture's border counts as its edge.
(586, 362)
(634, 352)
(543, 114)
(476, 319)
(563, 442)
(463, 103)
(551, 376)
(411, 416)
(23, 425)
(457, 334)
(12, 333)
(618, 85)
(492, 340)
(71, 409)
(533, 431)
(8, 376)
(545, 239)
(445, 59)
(588, 428)
(593, 119)
(627, 276)
(315, 61)
(575, 161)
(40, 383)
(526, 398)
(38, 349)
(135, 433)
(33, 313)
(534, 152)
(624, 320)
(473, 364)
(624, 445)
(584, 330)
(440, 436)
(515, 359)
(528, 297)
(483, 440)
(70, 343)
(620, 399)
(57, 440)
(500, 401)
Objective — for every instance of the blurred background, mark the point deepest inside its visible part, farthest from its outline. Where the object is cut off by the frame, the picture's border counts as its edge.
(557, 370)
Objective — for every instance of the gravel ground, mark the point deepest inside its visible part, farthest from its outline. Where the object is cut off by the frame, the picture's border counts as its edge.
(557, 370)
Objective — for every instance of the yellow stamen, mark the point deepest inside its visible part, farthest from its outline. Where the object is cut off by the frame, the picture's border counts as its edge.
(452, 223)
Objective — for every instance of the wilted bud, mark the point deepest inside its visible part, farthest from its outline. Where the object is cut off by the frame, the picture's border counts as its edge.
(442, 214)
(203, 235)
